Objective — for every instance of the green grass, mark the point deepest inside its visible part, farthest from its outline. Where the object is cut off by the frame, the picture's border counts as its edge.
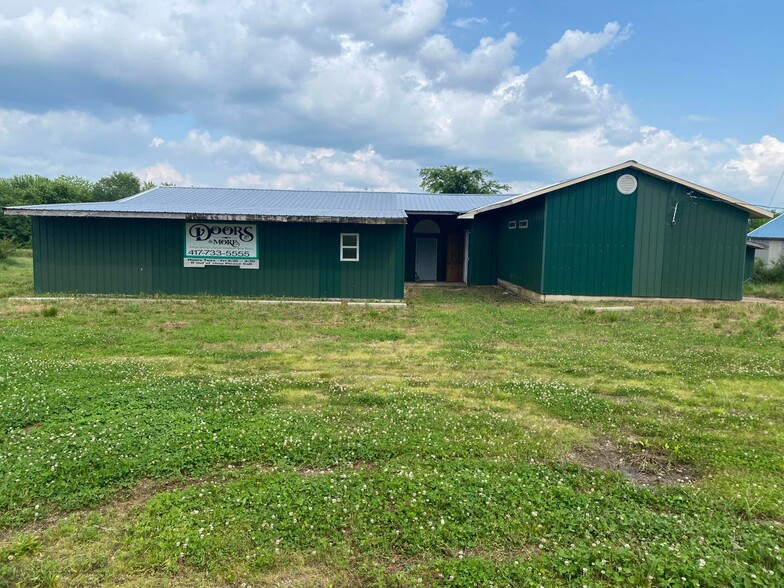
(16, 275)
(468, 439)
(764, 290)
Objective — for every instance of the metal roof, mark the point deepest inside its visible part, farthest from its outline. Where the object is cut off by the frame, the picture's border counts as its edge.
(442, 203)
(278, 205)
(771, 230)
(754, 211)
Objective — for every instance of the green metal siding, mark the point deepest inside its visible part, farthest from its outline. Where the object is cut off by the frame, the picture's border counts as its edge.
(701, 256)
(600, 242)
(482, 250)
(521, 251)
(653, 197)
(136, 256)
(589, 239)
(705, 252)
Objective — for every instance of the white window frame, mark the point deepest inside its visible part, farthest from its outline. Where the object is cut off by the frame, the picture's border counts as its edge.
(344, 247)
(522, 224)
(512, 224)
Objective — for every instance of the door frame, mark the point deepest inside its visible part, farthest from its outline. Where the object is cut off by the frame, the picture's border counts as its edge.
(465, 256)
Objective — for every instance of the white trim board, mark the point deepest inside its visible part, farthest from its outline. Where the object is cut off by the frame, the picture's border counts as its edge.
(754, 211)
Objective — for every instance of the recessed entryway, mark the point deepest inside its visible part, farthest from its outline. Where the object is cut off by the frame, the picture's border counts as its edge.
(425, 267)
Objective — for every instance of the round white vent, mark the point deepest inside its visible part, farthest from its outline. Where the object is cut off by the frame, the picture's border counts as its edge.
(627, 184)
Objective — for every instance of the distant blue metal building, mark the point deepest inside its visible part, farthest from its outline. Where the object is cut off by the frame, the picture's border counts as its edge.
(771, 235)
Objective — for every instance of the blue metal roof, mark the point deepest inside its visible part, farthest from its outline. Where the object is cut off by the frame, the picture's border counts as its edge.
(454, 203)
(770, 230)
(255, 204)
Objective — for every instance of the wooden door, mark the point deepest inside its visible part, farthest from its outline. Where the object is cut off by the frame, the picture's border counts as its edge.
(455, 254)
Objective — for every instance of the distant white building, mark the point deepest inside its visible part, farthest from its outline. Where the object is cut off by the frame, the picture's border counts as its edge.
(770, 234)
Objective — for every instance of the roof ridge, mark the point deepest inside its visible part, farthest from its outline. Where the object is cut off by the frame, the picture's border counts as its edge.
(289, 190)
(321, 191)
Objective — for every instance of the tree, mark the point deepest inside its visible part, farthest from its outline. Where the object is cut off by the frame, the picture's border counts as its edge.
(756, 223)
(118, 185)
(449, 179)
(26, 189)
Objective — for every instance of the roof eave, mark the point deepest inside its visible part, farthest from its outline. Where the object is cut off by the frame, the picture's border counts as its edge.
(754, 211)
(21, 211)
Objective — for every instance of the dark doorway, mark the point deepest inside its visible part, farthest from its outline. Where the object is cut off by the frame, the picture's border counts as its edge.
(455, 254)
(448, 233)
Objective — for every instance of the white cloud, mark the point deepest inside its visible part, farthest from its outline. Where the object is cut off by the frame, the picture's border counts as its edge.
(247, 180)
(574, 46)
(69, 142)
(251, 163)
(469, 22)
(479, 71)
(760, 164)
(164, 172)
(410, 20)
(299, 91)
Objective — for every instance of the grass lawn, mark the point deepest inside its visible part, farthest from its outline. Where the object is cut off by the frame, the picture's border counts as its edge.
(772, 290)
(468, 439)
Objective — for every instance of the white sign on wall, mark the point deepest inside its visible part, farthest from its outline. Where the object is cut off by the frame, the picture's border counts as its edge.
(227, 244)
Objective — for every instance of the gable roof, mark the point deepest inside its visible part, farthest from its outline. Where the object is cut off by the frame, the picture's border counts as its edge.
(246, 204)
(771, 230)
(754, 211)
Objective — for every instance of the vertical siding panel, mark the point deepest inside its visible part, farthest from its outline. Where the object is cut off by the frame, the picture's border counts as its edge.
(64, 254)
(35, 227)
(71, 273)
(605, 249)
(592, 238)
(572, 239)
(520, 250)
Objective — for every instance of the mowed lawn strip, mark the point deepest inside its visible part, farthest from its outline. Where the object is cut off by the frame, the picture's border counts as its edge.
(468, 439)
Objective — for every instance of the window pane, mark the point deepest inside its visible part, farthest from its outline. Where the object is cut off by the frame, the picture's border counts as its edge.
(349, 240)
(350, 253)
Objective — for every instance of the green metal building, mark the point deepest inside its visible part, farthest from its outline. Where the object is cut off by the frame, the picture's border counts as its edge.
(626, 231)
(243, 242)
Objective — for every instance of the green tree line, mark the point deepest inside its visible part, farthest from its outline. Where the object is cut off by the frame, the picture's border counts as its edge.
(23, 190)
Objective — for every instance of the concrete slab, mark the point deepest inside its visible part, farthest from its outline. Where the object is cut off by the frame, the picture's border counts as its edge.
(369, 303)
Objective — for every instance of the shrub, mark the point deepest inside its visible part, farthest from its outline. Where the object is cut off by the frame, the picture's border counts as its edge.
(49, 311)
(7, 249)
(770, 274)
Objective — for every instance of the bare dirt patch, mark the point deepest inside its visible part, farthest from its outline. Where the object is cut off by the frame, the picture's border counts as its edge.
(23, 308)
(172, 325)
(643, 466)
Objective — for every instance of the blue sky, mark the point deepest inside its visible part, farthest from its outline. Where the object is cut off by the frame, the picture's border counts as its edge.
(360, 94)
(709, 66)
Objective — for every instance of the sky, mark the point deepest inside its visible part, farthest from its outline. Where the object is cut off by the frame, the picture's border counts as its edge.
(361, 94)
